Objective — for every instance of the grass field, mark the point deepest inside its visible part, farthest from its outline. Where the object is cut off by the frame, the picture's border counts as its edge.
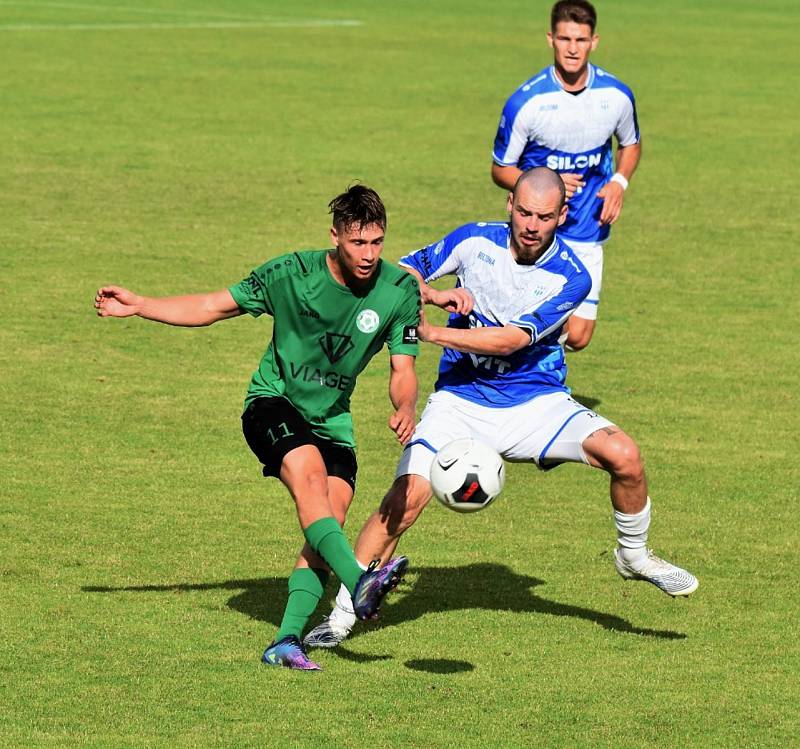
(173, 145)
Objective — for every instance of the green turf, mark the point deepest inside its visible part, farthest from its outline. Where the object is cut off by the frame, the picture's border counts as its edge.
(143, 560)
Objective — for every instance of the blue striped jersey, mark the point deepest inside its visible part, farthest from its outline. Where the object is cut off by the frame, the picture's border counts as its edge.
(543, 125)
(538, 298)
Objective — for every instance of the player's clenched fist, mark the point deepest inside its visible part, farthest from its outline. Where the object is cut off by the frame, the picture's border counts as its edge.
(402, 423)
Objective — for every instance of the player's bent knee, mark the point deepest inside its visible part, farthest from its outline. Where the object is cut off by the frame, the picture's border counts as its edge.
(623, 458)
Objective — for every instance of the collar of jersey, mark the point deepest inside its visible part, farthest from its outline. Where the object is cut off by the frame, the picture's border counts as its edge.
(550, 253)
(362, 292)
(557, 80)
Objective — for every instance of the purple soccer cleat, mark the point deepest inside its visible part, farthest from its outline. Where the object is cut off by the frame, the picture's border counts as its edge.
(289, 652)
(374, 584)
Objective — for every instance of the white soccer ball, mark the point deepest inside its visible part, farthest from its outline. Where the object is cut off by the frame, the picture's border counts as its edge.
(467, 475)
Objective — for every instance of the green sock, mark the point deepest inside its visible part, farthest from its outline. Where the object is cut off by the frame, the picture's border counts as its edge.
(327, 539)
(306, 587)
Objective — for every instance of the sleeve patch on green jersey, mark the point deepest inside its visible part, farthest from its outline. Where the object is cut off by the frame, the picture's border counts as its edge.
(409, 334)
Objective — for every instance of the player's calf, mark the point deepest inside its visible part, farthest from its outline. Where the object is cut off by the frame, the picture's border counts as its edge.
(400, 508)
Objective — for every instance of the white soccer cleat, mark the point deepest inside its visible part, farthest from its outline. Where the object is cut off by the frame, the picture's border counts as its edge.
(329, 633)
(674, 581)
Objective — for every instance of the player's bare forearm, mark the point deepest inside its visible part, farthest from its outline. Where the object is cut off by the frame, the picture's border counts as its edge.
(613, 192)
(505, 176)
(403, 389)
(628, 159)
(500, 341)
(194, 310)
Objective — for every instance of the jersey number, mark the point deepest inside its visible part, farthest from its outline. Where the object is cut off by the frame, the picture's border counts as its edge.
(280, 428)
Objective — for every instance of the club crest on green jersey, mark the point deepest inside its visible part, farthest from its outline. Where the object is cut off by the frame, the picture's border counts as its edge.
(367, 321)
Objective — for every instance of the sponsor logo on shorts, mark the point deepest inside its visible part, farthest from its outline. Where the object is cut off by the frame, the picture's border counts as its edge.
(367, 321)
(564, 307)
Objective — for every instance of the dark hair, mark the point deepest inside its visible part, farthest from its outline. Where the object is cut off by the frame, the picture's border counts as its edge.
(577, 11)
(360, 206)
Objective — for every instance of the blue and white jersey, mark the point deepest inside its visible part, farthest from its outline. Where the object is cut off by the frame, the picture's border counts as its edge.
(538, 298)
(544, 125)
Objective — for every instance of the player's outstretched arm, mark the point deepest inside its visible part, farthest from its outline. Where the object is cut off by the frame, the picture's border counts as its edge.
(458, 300)
(194, 310)
(613, 192)
(403, 394)
(488, 341)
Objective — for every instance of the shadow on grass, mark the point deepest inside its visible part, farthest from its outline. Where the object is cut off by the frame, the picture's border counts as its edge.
(439, 665)
(585, 400)
(474, 586)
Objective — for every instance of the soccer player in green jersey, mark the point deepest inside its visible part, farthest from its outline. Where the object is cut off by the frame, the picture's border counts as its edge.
(333, 310)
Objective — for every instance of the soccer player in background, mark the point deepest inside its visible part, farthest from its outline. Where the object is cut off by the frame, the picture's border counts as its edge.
(502, 380)
(564, 118)
(332, 311)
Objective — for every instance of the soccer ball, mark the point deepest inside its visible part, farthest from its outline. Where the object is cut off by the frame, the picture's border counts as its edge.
(467, 475)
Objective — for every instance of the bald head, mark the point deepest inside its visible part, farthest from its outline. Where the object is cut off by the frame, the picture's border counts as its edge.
(541, 181)
(536, 209)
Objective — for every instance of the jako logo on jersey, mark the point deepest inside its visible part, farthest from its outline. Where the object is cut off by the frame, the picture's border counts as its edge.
(335, 346)
(573, 161)
(439, 247)
(367, 320)
(304, 312)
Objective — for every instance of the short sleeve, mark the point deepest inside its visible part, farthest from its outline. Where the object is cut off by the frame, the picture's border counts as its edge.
(627, 130)
(513, 130)
(552, 312)
(402, 338)
(441, 258)
(252, 293)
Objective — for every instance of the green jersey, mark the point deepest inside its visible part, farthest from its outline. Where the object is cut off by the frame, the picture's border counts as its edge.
(324, 334)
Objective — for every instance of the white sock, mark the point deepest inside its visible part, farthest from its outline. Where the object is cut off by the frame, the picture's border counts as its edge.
(632, 533)
(343, 610)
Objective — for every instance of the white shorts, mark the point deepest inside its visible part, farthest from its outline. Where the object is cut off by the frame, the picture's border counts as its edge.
(547, 430)
(591, 255)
